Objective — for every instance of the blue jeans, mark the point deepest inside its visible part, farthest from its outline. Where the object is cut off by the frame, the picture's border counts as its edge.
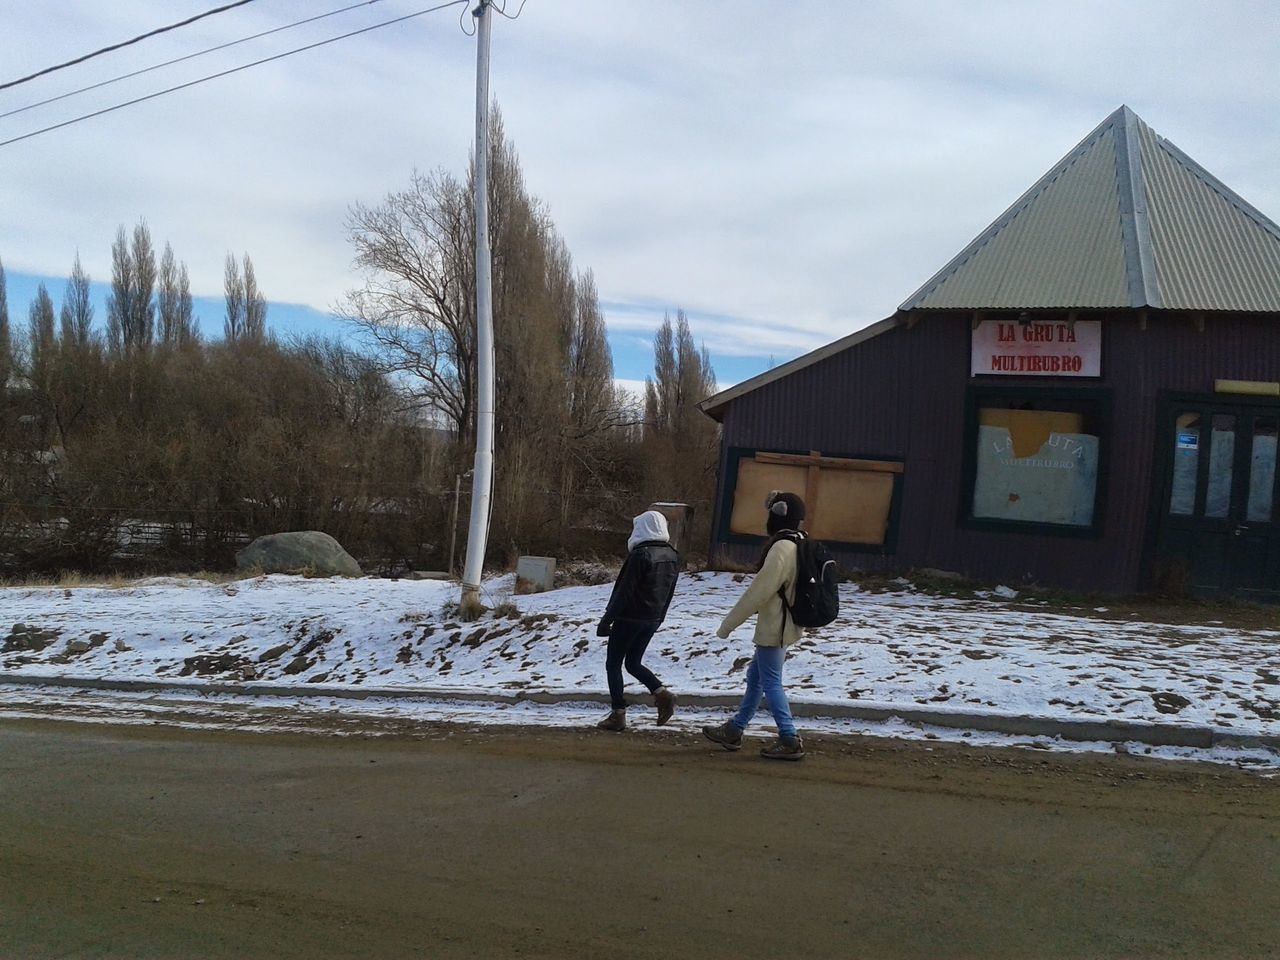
(765, 674)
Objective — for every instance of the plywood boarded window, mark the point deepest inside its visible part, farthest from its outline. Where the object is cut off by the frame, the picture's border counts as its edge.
(847, 501)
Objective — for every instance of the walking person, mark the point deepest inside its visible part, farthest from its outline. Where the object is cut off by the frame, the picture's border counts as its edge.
(775, 631)
(636, 609)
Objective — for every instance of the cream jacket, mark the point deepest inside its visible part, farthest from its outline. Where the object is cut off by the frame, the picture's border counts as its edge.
(762, 599)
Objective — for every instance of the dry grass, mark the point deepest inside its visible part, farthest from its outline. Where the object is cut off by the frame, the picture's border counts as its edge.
(71, 579)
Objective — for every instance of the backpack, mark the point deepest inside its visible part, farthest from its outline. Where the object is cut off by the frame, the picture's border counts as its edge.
(817, 597)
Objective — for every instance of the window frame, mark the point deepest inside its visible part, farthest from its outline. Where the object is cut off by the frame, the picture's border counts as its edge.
(1039, 393)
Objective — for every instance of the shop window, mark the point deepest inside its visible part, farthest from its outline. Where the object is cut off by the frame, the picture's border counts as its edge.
(1222, 452)
(1035, 460)
(1262, 470)
(1186, 464)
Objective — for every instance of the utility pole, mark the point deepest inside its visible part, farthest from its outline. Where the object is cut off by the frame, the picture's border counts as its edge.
(482, 477)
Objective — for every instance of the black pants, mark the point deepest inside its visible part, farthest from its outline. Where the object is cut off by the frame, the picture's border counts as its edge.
(628, 640)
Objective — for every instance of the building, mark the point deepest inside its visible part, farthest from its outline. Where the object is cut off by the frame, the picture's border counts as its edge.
(1087, 396)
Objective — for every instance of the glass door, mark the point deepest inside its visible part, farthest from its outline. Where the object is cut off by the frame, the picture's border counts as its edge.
(1218, 529)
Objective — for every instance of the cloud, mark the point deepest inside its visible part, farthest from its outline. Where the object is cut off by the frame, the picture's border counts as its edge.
(785, 173)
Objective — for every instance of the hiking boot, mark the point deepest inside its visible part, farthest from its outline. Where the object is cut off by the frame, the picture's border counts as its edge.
(615, 721)
(727, 735)
(665, 701)
(784, 748)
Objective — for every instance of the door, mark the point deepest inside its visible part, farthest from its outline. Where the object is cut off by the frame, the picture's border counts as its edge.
(1219, 530)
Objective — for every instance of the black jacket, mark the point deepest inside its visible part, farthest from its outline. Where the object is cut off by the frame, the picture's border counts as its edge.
(645, 583)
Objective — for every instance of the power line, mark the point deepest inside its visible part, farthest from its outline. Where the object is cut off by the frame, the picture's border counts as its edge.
(124, 43)
(189, 56)
(224, 73)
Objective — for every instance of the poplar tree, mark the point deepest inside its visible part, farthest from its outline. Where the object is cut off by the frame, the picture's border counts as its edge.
(255, 305)
(43, 341)
(140, 330)
(233, 325)
(120, 300)
(188, 328)
(6, 337)
(77, 309)
(167, 297)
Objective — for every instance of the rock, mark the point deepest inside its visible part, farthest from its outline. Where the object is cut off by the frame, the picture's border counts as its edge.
(308, 552)
(1005, 593)
(28, 638)
(121, 646)
(75, 647)
(1170, 702)
(208, 665)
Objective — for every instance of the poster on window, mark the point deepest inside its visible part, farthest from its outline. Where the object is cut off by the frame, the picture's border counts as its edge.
(1057, 349)
(1054, 482)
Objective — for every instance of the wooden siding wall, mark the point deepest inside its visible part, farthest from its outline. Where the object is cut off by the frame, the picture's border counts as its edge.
(903, 393)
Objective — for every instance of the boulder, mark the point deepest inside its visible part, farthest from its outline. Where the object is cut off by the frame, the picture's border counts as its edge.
(310, 552)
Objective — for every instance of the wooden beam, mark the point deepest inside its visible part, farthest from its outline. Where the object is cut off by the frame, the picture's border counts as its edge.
(829, 463)
(811, 486)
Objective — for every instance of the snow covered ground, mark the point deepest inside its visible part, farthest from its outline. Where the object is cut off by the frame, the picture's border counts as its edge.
(903, 649)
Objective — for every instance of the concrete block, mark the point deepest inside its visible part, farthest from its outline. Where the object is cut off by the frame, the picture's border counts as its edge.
(427, 575)
(679, 523)
(535, 574)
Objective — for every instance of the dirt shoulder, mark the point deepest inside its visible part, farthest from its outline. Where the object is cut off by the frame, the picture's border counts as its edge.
(446, 842)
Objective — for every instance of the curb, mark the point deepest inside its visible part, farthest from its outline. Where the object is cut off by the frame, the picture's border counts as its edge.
(1152, 734)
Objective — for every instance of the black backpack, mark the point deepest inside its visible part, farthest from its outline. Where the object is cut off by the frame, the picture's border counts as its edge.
(817, 596)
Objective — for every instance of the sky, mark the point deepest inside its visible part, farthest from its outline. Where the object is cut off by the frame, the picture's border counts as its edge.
(786, 173)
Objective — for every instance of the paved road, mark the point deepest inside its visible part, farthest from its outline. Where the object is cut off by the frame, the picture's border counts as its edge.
(442, 843)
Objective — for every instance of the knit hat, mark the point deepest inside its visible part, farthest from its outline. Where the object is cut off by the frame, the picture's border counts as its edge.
(786, 510)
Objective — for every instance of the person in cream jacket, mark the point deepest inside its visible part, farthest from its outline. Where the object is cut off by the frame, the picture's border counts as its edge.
(774, 632)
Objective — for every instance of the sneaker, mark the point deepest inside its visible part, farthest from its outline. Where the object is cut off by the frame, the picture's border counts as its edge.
(665, 701)
(727, 735)
(615, 721)
(784, 748)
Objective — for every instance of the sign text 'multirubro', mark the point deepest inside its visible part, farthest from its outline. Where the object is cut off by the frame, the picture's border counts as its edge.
(1057, 349)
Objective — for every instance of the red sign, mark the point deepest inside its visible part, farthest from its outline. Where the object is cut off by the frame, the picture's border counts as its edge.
(1039, 349)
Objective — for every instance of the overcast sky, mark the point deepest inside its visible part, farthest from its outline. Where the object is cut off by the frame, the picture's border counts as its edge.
(787, 172)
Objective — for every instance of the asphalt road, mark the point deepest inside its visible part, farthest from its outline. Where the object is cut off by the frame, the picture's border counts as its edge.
(442, 843)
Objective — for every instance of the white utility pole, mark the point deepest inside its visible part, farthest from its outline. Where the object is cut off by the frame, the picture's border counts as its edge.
(482, 477)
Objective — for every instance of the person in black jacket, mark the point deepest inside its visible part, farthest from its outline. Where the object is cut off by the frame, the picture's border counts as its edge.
(637, 607)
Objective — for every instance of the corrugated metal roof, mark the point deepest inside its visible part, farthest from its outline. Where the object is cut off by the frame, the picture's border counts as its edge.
(1123, 220)
(1213, 251)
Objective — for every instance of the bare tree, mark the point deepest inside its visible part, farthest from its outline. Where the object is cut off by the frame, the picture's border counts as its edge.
(680, 442)
(233, 326)
(255, 304)
(167, 297)
(557, 410)
(140, 330)
(120, 301)
(6, 336)
(43, 341)
(188, 327)
(76, 317)
(415, 306)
